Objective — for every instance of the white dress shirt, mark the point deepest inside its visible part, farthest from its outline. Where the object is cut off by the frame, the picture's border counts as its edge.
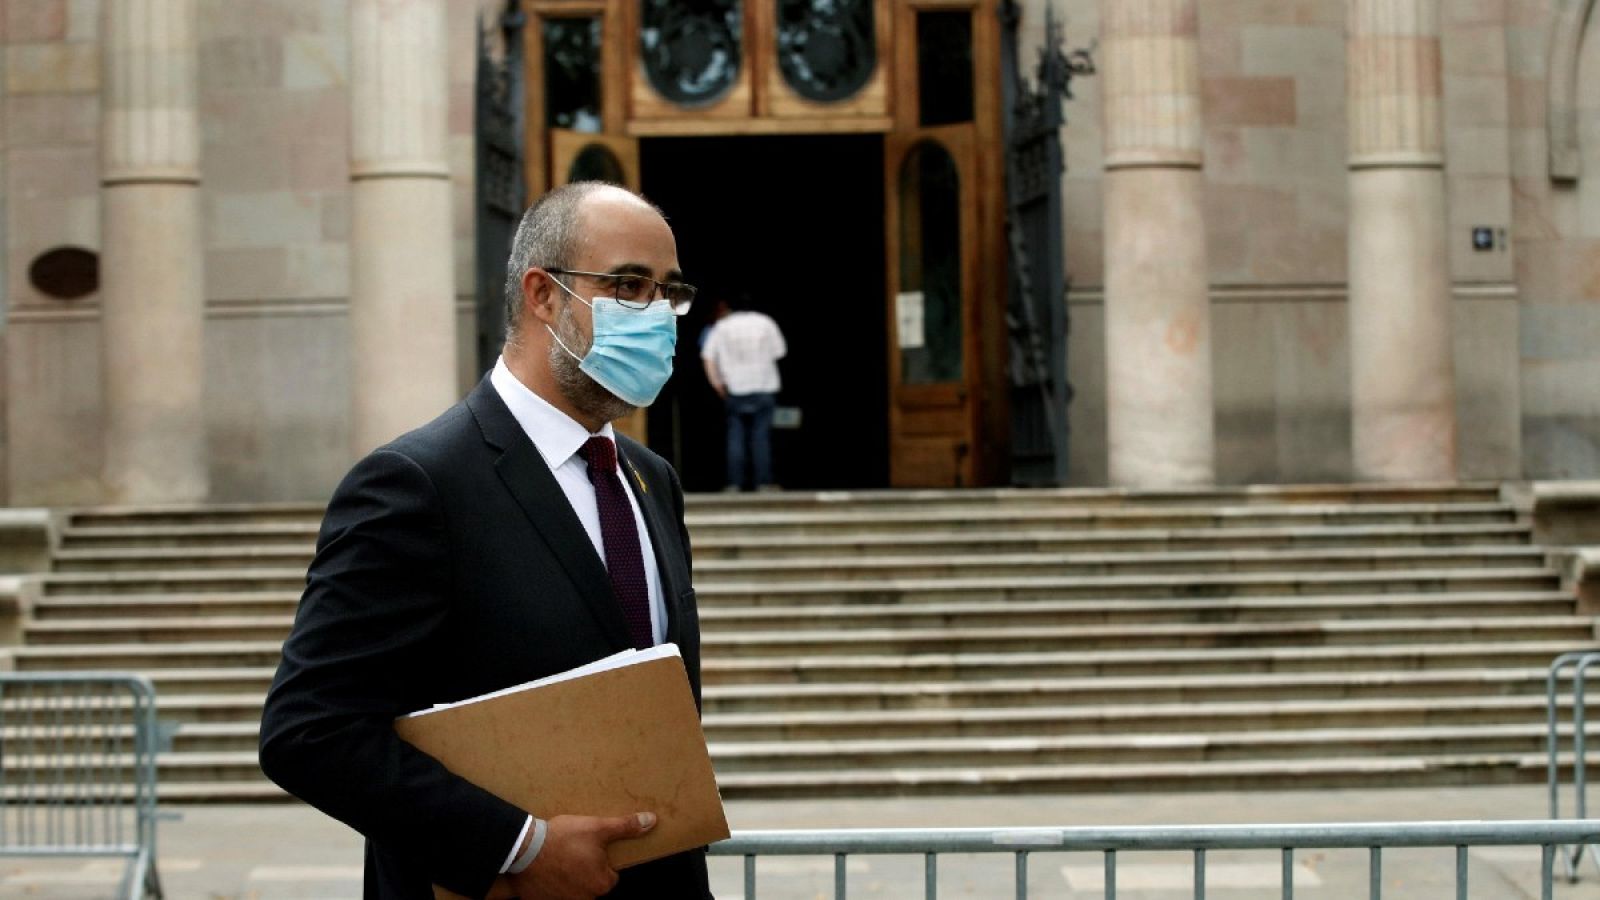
(557, 437)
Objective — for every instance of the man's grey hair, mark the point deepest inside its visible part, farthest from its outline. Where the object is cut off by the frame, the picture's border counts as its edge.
(548, 238)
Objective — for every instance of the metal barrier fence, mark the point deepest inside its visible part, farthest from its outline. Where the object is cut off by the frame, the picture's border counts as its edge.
(78, 770)
(1580, 662)
(1023, 843)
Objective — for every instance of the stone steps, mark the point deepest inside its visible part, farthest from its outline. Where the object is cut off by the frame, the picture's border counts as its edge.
(242, 687)
(801, 739)
(166, 606)
(1237, 495)
(897, 512)
(246, 686)
(1142, 636)
(885, 642)
(240, 739)
(235, 777)
(1281, 746)
(1126, 719)
(173, 581)
(199, 515)
(161, 608)
(990, 521)
(298, 537)
(149, 658)
(1251, 775)
(240, 679)
(1052, 714)
(73, 632)
(1143, 540)
(832, 590)
(168, 661)
(1018, 693)
(1047, 565)
(1078, 612)
(944, 564)
(1109, 587)
(1179, 663)
(914, 640)
(178, 786)
(1013, 691)
(194, 542)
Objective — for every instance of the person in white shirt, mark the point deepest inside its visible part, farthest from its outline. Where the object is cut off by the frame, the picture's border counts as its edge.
(741, 359)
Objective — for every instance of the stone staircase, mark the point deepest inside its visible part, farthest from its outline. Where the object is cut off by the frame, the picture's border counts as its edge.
(955, 642)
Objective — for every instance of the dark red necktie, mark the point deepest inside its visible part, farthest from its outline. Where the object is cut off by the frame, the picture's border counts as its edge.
(620, 533)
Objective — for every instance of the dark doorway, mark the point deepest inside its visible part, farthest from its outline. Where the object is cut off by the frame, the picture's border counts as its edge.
(797, 222)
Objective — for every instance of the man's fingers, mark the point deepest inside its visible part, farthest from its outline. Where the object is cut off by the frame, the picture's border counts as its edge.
(624, 827)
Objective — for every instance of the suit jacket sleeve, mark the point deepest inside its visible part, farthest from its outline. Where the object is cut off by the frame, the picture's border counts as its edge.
(376, 594)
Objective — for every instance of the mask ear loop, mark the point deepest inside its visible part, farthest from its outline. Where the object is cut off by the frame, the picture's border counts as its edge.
(562, 344)
(557, 337)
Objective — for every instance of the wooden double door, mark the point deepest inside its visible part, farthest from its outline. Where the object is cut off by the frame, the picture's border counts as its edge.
(926, 94)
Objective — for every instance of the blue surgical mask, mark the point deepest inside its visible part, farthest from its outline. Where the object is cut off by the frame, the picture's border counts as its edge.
(631, 355)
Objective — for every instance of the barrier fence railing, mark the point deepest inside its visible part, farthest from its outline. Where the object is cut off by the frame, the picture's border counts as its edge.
(1024, 843)
(1580, 662)
(78, 770)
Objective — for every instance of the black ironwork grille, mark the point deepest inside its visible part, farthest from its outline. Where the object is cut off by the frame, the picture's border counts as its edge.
(691, 48)
(827, 49)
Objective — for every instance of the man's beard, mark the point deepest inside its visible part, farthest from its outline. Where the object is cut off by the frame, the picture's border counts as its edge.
(583, 392)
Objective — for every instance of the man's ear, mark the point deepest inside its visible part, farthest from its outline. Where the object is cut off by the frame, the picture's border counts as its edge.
(538, 297)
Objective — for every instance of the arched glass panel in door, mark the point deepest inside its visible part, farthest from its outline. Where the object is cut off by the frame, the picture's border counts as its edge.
(827, 49)
(572, 73)
(691, 49)
(596, 162)
(928, 307)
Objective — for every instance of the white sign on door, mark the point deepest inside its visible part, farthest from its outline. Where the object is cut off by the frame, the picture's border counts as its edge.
(909, 321)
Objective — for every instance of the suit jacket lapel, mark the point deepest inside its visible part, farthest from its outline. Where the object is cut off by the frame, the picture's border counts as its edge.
(654, 523)
(525, 475)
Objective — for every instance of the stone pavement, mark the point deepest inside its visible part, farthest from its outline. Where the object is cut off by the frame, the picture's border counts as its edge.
(277, 852)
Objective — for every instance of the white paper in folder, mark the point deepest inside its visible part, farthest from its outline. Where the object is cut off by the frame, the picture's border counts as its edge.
(606, 664)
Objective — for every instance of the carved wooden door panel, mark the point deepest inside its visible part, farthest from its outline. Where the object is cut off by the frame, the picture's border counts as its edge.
(933, 259)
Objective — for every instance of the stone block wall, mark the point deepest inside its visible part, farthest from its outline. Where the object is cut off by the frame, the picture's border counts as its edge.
(1273, 82)
(51, 190)
(274, 108)
(4, 244)
(1557, 242)
(274, 98)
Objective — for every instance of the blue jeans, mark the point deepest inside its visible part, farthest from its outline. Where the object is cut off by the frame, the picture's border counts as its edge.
(750, 420)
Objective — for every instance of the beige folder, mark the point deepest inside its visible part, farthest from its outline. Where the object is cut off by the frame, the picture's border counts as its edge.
(613, 742)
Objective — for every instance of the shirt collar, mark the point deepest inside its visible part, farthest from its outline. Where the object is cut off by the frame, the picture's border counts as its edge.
(556, 434)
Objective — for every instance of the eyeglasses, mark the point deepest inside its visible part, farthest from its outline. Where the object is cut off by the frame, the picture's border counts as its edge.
(638, 291)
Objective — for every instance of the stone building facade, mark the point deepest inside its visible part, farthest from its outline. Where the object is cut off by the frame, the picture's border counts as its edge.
(1309, 240)
(1273, 85)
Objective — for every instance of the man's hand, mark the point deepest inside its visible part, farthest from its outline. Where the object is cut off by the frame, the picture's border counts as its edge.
(572, 865)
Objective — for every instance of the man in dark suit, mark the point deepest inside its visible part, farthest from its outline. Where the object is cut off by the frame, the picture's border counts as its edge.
(507, 540)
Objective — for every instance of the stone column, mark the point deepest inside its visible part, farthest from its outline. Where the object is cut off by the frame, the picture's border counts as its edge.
(152, 285)
(402, 272)
(1402, 372)
(1158, 317)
